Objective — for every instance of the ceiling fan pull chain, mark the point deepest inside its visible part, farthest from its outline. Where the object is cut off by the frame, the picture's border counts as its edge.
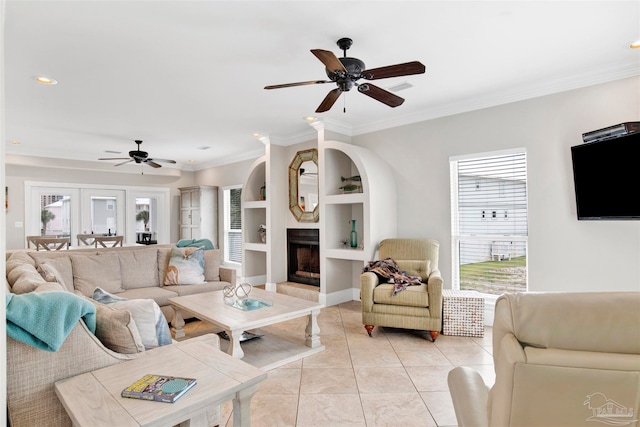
(344, 104)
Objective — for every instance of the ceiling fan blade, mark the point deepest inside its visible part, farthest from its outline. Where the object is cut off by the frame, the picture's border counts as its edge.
(311, 82)
(406, 69)
(380, 94)
(161, 160)
(114, 158)
(152, 163)
(329, 100)
(123, 163)
(329, 59)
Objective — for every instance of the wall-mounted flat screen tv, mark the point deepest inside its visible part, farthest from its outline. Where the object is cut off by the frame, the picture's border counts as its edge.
(606, 176)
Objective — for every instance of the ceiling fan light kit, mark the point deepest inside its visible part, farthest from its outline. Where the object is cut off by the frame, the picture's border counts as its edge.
(346, 71)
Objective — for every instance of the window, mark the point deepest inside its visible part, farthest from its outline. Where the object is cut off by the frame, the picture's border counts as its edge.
(70, 209)
(233, 225)
(489, 250)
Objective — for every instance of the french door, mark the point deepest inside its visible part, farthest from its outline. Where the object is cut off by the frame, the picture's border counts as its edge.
(66, 210)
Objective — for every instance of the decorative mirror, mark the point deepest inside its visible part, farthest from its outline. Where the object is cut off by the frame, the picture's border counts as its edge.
(303, 186)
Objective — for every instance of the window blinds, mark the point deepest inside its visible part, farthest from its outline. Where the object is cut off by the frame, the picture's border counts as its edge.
(489, 222)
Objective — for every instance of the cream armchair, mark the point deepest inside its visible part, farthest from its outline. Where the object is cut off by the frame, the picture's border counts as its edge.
(561, 359)
(417, 307)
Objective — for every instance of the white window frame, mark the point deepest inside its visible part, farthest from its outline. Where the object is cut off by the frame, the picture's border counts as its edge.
(455, 218)
(226, 191)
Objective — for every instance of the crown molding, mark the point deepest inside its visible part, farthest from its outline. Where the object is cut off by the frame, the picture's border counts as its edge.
(249, 155)
(60, 163)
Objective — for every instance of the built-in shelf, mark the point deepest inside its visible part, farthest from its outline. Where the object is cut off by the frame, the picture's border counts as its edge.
(258, 247)
(254, 213)
(337, 199)
(254, 204)
(355, 254)
(373, 209)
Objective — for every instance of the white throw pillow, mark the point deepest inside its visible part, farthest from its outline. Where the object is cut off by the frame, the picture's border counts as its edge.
(146, 313)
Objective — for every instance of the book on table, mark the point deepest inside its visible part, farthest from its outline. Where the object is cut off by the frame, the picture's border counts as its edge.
(161, 388)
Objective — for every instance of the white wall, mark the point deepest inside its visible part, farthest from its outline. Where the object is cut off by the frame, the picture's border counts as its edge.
(564, 254)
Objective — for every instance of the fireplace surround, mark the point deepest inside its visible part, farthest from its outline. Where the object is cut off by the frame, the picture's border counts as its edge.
(303, 255)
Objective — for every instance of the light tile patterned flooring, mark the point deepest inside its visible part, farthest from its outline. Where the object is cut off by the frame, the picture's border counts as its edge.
(396, 378)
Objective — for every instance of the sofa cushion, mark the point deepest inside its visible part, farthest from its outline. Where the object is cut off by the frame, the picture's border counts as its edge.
(212, 262)
(148, 318)
(58, 270)
(186, 267)
(415, 267)
(196, 289)
(117, 330)
(17, 259)
(160, 295)
(27, 282)
(18, 271)
(96, 271)
(139, 268)
(412, 296)
(50, 287)
(163, 262)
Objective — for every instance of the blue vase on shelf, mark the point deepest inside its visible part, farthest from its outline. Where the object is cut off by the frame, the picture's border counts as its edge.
(354, 234)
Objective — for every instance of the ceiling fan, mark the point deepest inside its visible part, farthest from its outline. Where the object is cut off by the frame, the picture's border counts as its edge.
(139, 157)
(346, 71)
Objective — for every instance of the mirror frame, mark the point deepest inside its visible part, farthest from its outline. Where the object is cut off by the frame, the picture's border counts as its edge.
(301, 157)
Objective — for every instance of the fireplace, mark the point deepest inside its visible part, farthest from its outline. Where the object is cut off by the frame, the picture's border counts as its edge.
(303, 255)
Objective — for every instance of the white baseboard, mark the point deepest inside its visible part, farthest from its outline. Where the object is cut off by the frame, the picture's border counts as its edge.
(255, 280)
(335, 298)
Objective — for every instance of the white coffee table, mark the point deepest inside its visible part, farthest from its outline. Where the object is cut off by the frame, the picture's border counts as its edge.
(273, 349)
(93, 399)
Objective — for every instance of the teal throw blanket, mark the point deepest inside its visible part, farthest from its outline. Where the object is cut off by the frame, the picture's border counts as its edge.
(44, 319)
(196, 243)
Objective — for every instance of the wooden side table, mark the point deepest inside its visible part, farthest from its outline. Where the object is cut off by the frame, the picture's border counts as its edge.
(93, 399)
(462, 313)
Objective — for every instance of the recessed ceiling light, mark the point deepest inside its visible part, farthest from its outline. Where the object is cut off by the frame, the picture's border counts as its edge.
(256, 135)
(192, 161)
(310, 119)
(15, 142)
(45, 80)
(635, 44)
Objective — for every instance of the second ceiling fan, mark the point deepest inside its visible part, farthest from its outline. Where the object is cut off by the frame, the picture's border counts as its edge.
(346, 71)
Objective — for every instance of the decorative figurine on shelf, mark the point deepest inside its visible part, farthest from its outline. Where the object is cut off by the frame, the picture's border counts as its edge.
(345, 242)
(353, 184)
(262, 231)
(263, 192)
(354, 234)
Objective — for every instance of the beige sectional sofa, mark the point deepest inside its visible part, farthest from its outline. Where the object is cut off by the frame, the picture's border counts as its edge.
(132, 273)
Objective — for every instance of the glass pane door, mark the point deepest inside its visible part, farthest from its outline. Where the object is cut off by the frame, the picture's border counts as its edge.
(103, 212)
(146, 220)
(55, 215)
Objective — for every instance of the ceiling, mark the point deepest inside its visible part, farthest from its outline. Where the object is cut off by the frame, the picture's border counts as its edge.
(185, 75)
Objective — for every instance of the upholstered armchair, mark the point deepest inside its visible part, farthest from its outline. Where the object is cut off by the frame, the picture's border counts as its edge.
(561, 359)
(418, 306)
